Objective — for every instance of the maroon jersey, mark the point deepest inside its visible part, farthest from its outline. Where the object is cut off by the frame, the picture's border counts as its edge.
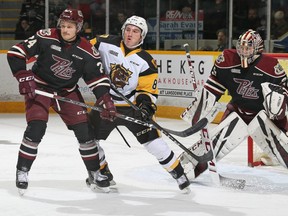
(59, 64)
(244, 84)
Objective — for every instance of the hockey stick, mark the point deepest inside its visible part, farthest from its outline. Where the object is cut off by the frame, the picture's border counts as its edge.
(217, 178)
(189, 131)
(203, 158)
(165, 131)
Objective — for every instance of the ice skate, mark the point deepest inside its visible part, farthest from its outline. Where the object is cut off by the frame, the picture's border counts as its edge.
(106, 172)
(98, 182)
(21, 181)
(183, 184)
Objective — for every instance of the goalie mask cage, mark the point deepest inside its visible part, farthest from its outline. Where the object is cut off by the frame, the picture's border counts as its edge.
(255, 154)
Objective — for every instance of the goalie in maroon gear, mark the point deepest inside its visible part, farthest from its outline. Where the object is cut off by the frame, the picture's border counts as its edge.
(242, 72)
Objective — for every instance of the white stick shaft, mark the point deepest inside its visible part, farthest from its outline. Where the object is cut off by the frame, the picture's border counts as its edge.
(46, 94)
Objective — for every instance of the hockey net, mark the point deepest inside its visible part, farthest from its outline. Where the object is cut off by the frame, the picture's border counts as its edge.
(256, 157)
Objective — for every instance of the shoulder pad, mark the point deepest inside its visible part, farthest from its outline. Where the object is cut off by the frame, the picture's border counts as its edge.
(148, 58)
(48, 33)
(271, 66)
(89, 48)
(228, 58)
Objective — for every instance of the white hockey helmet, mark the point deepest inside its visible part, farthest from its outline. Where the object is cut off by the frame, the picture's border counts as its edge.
(72, 15)
(249, 46)
(140, 23)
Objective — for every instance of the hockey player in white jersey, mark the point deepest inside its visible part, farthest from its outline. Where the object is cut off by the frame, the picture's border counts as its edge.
(257, 84)
(134, 74)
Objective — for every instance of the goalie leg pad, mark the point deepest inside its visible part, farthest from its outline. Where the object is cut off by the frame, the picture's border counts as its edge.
(228, 135)
(225, 137)
(269, 138)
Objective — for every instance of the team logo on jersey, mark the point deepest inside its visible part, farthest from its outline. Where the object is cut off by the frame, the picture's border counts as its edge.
(245, 89)
(119, 75)
(62, 68)
(220, 58)
(278, 69)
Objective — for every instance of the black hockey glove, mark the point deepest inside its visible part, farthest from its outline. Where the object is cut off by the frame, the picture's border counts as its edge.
(27, 84)
(147, 108)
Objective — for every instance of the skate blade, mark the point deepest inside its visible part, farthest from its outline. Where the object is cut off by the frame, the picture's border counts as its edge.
(21, 191)
(96, 188)
(112, 183)
(186, 190)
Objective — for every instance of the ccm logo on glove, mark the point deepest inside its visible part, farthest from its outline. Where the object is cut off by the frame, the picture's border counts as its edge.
(25, 79)
(27, 84)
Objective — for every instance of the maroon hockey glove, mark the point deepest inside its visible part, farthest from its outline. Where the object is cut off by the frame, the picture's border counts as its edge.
(109, 108)
(27, 84)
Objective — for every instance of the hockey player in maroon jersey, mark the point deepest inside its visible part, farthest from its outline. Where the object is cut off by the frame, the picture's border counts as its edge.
(257, 84)
(62, 59)
(134, 73)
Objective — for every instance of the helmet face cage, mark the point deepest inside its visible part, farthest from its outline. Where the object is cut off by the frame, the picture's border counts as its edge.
(72, 15)
(140, 23)
(249, 44)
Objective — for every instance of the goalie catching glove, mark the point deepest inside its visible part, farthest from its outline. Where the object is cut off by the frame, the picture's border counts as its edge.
(109, 110)
(146, 108)
(275, 100)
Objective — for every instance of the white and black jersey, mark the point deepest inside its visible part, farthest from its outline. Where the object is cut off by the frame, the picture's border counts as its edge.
(131, 71)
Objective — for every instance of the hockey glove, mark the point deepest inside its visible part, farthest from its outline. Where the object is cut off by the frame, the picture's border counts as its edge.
(275, 100)
(146, 108)
(109, 108)
(27, 84)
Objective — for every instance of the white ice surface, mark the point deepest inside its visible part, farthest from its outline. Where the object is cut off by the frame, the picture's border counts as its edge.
(57, 179)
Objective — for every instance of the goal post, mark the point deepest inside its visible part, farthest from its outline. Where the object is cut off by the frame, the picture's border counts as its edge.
(254, 153)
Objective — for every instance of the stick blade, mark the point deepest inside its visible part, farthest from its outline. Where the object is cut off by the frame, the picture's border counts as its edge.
(191, 130)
